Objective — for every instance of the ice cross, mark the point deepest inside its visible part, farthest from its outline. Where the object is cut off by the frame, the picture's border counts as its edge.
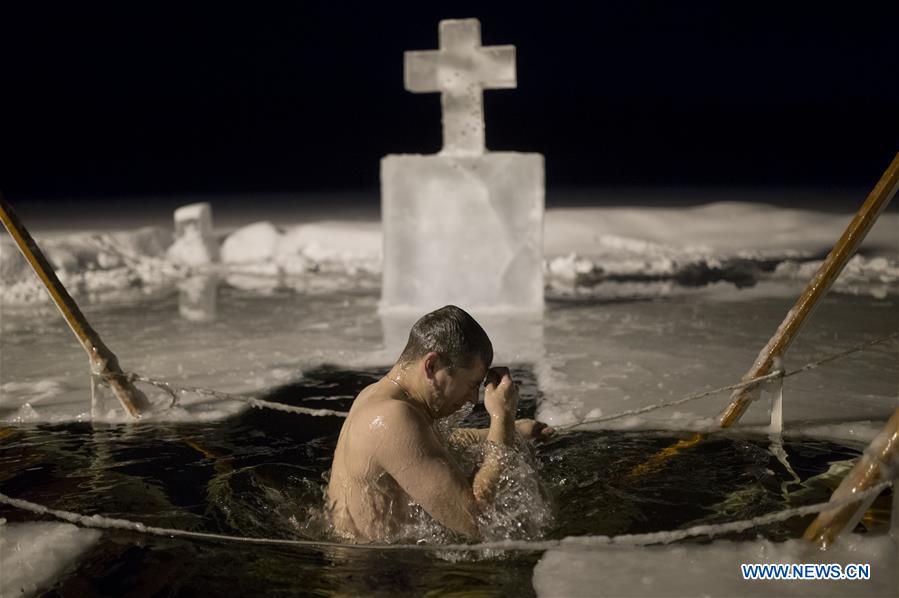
(460, 70)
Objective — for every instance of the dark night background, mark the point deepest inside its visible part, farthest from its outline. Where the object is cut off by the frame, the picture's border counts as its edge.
(143, 99)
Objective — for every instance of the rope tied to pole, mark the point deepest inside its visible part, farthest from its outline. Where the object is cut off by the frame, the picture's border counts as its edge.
(175, 391)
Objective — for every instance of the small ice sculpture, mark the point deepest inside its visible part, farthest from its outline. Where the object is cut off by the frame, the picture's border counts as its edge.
(464, 226)
(195, 243)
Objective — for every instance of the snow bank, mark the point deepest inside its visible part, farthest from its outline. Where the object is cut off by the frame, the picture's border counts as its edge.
(723, 227)
(605, 252)
(99, 266)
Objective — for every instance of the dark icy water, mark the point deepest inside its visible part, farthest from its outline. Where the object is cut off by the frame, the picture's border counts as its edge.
(260, 473)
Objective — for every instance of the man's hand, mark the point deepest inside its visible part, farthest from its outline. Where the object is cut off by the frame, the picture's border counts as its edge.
(501, 401)
(528, 429)
(500, 395)
(533, 430)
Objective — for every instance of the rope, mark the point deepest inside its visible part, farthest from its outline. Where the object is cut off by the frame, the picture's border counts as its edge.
(664, 537)
(174, 391)
(104, 243)
(681, 401)
(743, 384)
(263, 404)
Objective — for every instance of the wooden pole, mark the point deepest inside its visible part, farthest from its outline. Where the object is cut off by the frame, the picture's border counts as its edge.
(879, 463)
(842, 251)
(103, 361)
(836, 260)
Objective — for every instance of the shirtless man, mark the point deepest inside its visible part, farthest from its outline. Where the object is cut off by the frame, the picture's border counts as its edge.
(389, 451)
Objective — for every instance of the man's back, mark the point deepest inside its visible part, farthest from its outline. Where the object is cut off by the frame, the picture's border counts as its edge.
(389, 457)
(365, 502)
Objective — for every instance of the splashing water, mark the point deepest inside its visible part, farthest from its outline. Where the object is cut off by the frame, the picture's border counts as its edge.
(446, 425)
(277, 499)
(521, 510)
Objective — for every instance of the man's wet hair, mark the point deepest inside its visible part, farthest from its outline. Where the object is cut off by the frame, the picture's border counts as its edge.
(453, 334)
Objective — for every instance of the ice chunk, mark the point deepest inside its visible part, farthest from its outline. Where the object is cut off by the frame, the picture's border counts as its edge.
(354, 245)
(32, 555)
(463, 230)
(257, 242)
(18, 399)
(711, 570)
(460, 71)
(195, 242)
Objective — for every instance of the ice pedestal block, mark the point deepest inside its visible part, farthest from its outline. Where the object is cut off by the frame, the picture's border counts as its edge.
(463, 230)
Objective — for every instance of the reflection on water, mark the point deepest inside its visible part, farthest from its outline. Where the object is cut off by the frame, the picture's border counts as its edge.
(198, 298)
(261, 473)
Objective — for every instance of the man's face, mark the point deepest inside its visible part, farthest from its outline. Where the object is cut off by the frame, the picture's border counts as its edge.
(459, 385)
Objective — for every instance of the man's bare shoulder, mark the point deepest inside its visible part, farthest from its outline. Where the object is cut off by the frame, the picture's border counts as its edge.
(378, 410)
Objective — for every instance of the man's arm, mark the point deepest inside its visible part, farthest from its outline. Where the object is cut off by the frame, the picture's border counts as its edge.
(409, 450)
(501, 401)
(528, 429)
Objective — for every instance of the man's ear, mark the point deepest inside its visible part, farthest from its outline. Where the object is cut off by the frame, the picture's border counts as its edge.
(430, 363)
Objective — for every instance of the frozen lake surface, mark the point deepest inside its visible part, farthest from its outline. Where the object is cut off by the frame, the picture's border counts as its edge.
(643, 306)
(593, 357)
